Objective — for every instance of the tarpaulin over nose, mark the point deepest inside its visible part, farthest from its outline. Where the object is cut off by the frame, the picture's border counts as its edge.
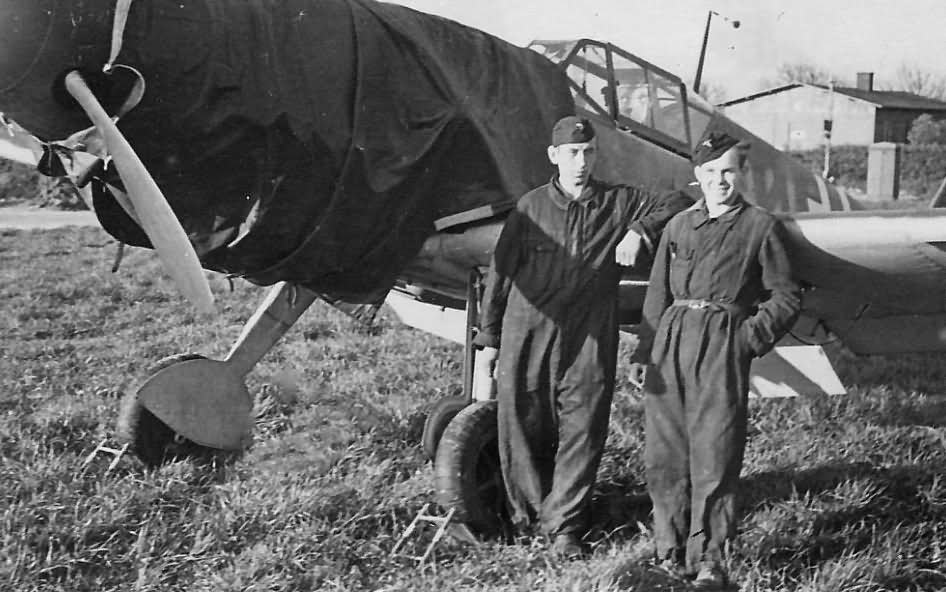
(346, 127)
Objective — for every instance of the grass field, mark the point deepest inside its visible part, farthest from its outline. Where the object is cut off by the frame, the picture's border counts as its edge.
(846, 493)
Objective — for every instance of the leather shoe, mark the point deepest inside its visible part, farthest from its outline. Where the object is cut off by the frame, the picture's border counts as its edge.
(672, 567)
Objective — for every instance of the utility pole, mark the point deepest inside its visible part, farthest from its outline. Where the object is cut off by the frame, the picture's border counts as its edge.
(828, 125)
(699, 66)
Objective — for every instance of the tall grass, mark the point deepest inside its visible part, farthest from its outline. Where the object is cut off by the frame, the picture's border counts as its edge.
(846, 493)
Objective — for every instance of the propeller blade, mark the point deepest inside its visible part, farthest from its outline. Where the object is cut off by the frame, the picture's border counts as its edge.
(157, 219)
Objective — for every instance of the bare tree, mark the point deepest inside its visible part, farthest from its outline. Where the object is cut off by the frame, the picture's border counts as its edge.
(916, 80)
(788, 73)
(714, 93)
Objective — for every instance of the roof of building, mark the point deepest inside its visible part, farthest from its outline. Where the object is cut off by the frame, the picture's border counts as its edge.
(885, 99)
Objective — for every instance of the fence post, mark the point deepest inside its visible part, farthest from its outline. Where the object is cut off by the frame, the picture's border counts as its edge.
(883, 171)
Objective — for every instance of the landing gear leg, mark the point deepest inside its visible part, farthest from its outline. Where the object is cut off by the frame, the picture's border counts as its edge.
(202, 402)
(446, 408)
(467, 470)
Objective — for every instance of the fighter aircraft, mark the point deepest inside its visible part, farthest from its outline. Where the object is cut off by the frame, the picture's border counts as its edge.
(351, 150)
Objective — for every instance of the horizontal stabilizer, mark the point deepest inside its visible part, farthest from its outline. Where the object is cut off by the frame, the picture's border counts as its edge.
(793, 370)
(786, 371)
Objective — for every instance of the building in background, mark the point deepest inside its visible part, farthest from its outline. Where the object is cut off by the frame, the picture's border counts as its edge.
(794, 116)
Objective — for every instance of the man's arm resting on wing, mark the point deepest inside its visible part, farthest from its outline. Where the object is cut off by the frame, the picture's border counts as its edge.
(630, 248)
(648, 219)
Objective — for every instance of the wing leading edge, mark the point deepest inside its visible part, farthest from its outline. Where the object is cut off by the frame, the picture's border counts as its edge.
(875, 279)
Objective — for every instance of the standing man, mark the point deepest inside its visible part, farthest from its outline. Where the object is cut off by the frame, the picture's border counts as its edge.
(721, 293)
(551, 300)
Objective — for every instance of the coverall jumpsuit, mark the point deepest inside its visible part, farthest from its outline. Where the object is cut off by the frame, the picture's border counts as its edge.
(551, 300)
(721, 292)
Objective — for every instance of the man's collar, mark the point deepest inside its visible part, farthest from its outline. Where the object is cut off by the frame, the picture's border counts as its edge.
(562, 199)
(702, 216)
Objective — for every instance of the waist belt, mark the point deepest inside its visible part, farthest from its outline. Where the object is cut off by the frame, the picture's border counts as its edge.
(699, 303)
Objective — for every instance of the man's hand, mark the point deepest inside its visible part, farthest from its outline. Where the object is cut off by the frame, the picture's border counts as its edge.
(637, 374)
(629, 249)
(484, 380)
(486, 360)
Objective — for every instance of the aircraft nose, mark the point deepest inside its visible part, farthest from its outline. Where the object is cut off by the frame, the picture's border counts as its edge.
(41, 40)
(25, 26)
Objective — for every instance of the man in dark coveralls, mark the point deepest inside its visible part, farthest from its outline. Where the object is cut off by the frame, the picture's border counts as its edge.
(551, 300)
(721, 292)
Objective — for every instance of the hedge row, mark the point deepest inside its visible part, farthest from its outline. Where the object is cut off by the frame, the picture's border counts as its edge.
(21, 183)
(922, 168)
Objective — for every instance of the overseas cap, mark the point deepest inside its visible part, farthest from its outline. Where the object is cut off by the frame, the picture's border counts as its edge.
(572, 130)
(712, 147)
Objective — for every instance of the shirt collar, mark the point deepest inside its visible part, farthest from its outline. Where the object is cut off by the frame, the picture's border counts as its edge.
(562, 199)
(701, 214)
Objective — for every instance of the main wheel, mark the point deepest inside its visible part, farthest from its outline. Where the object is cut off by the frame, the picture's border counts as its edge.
(440, 416)
(467, 471)
(149, 438)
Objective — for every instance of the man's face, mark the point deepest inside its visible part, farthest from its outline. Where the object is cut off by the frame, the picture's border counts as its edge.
(634, 101)
(722, 178)
(574, 161)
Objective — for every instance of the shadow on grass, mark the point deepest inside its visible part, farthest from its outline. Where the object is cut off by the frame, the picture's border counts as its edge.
(900, 487)
(901, 374)
(799, 520)
(778, 485)
(617, 509)
(636, 575)
(909, 411)
(840, 510)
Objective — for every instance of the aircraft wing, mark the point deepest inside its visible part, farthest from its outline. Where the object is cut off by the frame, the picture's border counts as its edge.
(876, 279)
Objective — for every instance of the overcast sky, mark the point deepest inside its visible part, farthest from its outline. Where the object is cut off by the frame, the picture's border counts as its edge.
(841, 36)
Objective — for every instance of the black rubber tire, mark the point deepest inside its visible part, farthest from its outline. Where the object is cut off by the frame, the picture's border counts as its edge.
(149, 438)
(467, 472)
(440, 416)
